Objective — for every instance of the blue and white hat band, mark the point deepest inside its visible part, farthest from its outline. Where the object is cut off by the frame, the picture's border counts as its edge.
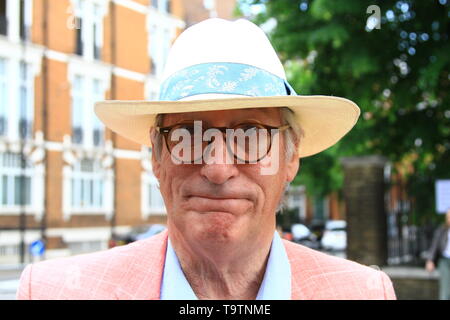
(223, 78)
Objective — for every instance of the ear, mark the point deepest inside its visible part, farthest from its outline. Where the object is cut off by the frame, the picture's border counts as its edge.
(156, 165)
(292, 167)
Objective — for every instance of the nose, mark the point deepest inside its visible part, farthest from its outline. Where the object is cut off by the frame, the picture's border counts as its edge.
(219, 164)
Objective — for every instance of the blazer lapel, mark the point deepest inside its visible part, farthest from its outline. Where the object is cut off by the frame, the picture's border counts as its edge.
(142, 270)
(302, 284)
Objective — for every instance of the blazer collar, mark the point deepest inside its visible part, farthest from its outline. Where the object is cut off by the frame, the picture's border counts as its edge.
(142, 272)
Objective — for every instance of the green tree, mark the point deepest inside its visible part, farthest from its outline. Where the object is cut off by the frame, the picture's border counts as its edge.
(397, 74)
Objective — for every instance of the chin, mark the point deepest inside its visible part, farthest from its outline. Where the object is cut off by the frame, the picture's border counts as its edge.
(216, 227)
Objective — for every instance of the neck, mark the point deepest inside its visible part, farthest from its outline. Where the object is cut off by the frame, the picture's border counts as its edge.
(231, 271)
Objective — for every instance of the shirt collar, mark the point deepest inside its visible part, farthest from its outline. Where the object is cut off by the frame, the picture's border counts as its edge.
(276, 284)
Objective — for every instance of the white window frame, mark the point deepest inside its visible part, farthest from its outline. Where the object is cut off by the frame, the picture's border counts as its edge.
(10, 168)
(98, 92)
(89, 187)
(91, 12)
(151, 88)
(26, 83)
(4, 95)
(36, 174)
(149, 181)
(162, 30)
(13, 16)
(88, 94)
(77, 107)
(28, 16)
(106, 175)
(14, 56)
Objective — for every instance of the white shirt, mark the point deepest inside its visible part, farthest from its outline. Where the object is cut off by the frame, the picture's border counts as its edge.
(276, 284)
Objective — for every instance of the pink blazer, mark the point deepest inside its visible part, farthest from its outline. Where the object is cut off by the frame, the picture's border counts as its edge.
(135, 271)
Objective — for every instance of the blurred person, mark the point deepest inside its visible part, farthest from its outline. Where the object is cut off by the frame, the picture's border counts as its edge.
(221, 240)
(439, 253)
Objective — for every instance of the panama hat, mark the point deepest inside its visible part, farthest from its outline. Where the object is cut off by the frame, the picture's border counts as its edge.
(223, 65)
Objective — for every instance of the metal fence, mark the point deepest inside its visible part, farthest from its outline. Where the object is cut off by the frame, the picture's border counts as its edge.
(407, 244)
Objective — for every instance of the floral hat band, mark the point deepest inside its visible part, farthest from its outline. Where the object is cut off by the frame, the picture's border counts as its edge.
(225, 77)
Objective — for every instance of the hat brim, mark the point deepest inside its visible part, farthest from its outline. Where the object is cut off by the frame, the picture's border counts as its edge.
(324, 119)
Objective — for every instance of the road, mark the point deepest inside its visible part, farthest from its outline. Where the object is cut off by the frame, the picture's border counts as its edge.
(9, 281)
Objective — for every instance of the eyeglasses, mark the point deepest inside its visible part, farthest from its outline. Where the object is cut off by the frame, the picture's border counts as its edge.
(249, 142)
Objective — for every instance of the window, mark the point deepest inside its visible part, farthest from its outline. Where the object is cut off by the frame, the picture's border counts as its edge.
(98, 132)
(3, 97)
(155, 198)
(79, 36)
(152, 201)
(89, 31)
(15, 183)
(26, 109)
(16, 18)
(9, 250)
(97, 32)
(160, 40)
(87, 185)
(25, 19)
(161, 5)
(87, 129)
(3, 18)
(208, 4)
(16, 89)
(166, 6)
(77, 109)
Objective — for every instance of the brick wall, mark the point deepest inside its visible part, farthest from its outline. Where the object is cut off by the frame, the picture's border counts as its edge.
(365, 212)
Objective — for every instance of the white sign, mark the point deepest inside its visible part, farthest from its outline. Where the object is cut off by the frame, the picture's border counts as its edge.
(442, 196)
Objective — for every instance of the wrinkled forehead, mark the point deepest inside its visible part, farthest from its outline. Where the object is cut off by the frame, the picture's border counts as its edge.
(272, 114)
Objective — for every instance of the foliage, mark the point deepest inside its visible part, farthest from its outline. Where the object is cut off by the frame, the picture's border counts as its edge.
(397, 74)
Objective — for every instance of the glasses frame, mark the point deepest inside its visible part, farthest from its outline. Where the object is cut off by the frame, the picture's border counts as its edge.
(165, 131)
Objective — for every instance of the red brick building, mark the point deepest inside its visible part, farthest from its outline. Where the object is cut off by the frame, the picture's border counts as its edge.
(64, 176)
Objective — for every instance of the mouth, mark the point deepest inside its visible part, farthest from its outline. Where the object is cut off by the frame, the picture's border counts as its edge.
(208, 203)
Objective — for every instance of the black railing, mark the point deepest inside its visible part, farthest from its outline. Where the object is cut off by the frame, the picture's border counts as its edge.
(407, 244)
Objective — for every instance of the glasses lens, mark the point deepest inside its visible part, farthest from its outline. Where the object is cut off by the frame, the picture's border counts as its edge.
(180, 141)
(251, 142)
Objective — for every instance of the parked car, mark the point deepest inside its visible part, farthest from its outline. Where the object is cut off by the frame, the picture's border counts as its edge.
(137, 233)
(317, 227)
(302, 235)
(335, 235)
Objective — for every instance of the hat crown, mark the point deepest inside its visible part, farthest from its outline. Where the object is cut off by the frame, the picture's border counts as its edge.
(219, 40)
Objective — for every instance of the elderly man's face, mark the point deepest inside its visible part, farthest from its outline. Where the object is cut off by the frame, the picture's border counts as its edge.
(223, 202)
